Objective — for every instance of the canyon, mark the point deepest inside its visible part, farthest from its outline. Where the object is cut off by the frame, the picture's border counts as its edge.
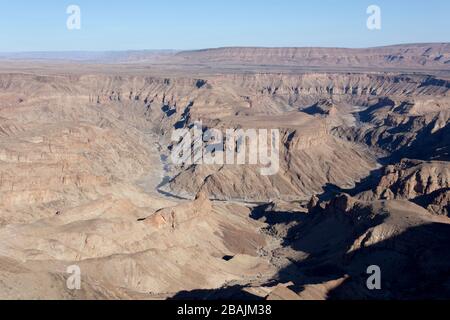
(364, 174)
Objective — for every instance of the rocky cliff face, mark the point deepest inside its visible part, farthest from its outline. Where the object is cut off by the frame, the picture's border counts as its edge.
(308, 162)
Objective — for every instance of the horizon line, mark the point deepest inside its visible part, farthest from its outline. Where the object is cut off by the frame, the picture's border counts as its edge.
(225, 47)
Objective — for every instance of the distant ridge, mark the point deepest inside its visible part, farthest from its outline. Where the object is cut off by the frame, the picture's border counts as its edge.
(89, 56)
(430, 56)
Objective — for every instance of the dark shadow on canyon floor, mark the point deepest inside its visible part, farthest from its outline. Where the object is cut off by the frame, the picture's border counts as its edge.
(228, 293)
(414, 264)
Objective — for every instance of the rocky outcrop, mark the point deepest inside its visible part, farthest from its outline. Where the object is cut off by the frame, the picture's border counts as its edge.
(173, 217)
(425, 183)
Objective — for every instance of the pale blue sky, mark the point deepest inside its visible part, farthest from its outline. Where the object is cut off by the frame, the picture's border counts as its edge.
(191, 24)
